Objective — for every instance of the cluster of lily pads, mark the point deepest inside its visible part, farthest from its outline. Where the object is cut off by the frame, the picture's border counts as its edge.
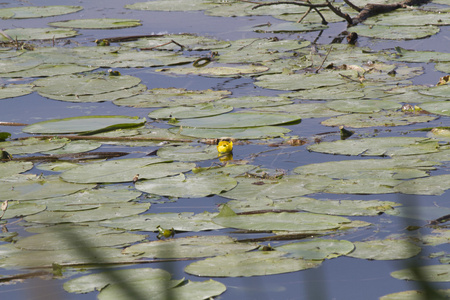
(86, 212)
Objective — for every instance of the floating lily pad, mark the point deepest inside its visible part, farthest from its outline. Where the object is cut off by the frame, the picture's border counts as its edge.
(306, 110)
(14, 167)
(190, 247)
(104, 23)
(170, 97)
(407, 55)
(362, 186)
(171, 5)
(38, 188)
(32, 145)
(384, 250)
(381, 118)
(415, 295)
(239, 120)
(257, 263)
(45, 70)
(188, 152)
(158, 289)
(28, 34)
(237, 133)
(433, 273)
(75, 147)
(438, 91)
(17, 209)
(362, 106)
(369, 168)
(291, 27)
(217, 70)
(425, 213)
(345, 91)
(384, 146)
(279, 221)
(186, 112)
(183, 221)
(188, 41)
(410, 17)
(26, 12)
(317, 249)
(84, 124)
(77, 85)
(98, 281)
(440, 107)
(101, 212)
(255, 101)
(433, 185)
(15, 90)
(395, 32)
(56, 238)
(187, 187)
(124, 170)
(293, 82)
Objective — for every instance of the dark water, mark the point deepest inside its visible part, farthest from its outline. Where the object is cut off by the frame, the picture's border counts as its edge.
(343, 278)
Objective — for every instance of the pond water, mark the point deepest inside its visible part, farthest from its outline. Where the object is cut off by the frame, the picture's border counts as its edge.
(344, 277)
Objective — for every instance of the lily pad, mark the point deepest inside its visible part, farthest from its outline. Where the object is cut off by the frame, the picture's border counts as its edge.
(17, 209)
(188, 41)
(98, 281)
(294, 82)
(75, 147)
(440, 107)
(187, 187)
(317, 249)
(381, 146)
(84, 124)
(15, 90)
(381, 118)
(183, 221)
(291, 27)
(362, 106)
(237, 133)
(415, 295)
(169, 97)
(239, 120)
(188, 152)
(171, 5)
(433, 185)
(433, 273)
(26, 12)
(124, 170)
(186, 112)
(32, 145)
(437, 91)
(395, 32)
(190, 247)
(306, 110)
(255, 101)
(410, 17)
(257, 263)
(45, 70)
(14, 167)
(29, 34)
(104, 23)
(217, 70)
(384, 250)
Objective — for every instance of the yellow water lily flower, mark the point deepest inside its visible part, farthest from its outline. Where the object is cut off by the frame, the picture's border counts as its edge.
(225, 147)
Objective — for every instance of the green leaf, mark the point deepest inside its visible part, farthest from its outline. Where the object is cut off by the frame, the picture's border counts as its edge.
(25, 12)
(433, 273)
(104, 23)
(317, 249)
(384, 250)
(29, 34)
(395, 32)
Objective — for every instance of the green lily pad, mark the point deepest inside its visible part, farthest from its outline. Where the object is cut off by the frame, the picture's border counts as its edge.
(56, 238)
(237, 133)
(279, 221)
(346, 91)
(38, 188)
(362, 106)
(433, 185)
(75, 147)
(294, 82)
(395, 32)
(101, 212)
(188, 152)
(171, 5)
(169, 97)
(257, 263)
(14, 167)
(381, 118)
(433, 273)
(291, 27)
(84, 124)
(45, 70)
(159, 289)
(414, 295)
(239, 120)
(187, 187)
(437, 91)
(306, 110)
(190, 247)
(426, 213)
(15, 90)
(183, 221)
(382, 146)
(362, 186)
(29, 34)
(384, 250)
(26, 12)
(17, 209)
(124, 170)
(410, 17)
(189, 42)
(317, 249)
(104, 23)
(186, 112)
(406, 55)
(217, 70)
(98, 281)
(77, 85)
(369, 168)
(440, 107)
(255, 101)
(32, 145)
